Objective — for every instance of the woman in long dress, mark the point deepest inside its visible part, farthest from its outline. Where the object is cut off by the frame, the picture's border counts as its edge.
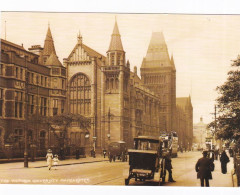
(49, 157)
(224, 159)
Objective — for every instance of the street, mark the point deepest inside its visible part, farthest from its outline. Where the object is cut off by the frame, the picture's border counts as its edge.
(102, 172)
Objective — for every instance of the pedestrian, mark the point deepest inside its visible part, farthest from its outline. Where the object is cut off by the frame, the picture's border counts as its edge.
(224, 159)
(216, 154)
(104, 153)
(49, 157)
(204, 167)
(168, 167)
(55, 161)
(62, 153)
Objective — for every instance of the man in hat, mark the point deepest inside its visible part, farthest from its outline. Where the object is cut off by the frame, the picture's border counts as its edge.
(204, 167)
(168, 167)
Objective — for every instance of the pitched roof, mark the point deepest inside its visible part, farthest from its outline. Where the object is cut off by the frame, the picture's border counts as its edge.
(49, 44)
(157, 53)
(116, 43)
(53, 61)
(13, 44)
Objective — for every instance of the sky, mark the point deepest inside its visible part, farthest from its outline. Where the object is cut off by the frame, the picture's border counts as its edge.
(202, 45)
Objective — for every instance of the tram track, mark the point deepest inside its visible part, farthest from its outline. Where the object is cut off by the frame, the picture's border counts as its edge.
(106, 181)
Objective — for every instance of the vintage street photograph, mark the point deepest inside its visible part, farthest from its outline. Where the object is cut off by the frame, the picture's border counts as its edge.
(116, 99)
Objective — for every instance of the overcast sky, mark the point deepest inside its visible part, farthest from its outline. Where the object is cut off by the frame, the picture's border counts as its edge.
(202, 45)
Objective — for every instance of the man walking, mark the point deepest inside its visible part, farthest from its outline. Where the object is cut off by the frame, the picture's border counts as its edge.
(203, 168)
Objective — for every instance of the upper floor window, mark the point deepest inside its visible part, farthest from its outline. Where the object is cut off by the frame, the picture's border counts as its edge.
(1, 69)
(80, 95)
(17, 72)
(18, 104)
(1, 102)
(55, 106)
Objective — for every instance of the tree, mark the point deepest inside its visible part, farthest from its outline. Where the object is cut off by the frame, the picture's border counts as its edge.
(228, 104)
(62, 122)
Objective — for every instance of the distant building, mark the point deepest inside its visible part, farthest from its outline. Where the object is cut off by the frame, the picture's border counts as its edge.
(200, 133)
(184, 122)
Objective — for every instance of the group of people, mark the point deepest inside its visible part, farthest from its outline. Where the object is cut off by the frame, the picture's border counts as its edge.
(205, 166)
(51, 160)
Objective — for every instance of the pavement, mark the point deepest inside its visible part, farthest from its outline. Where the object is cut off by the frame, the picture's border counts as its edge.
(39, 164)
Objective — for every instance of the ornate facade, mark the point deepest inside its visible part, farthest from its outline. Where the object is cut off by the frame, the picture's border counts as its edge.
(102, 88)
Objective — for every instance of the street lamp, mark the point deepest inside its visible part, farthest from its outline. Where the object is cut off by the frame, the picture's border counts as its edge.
(94, 143)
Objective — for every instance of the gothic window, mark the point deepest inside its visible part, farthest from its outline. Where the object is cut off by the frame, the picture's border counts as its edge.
(112, 59)
(80, 95)
(55, 107)
(118, 59)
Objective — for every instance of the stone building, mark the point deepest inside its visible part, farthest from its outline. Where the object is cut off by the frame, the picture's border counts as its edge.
(118, 104)
(30, 88)
(200, 134)
(158, 73)
(184, 122)
(105, 90)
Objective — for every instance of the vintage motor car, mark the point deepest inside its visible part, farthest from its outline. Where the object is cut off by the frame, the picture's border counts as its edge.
(145, 160)
(117, 150)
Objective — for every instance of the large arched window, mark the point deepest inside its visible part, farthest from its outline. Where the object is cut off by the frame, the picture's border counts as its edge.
(80, 95)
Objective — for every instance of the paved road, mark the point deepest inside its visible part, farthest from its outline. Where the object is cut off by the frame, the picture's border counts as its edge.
(106, 173)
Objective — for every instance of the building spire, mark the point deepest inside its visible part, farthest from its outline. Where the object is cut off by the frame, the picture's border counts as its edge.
(172, 61)
(157, 53)
(116, 43)
(79, 37)
(49, 44)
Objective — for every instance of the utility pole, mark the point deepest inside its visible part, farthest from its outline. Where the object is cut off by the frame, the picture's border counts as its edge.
(26, 122)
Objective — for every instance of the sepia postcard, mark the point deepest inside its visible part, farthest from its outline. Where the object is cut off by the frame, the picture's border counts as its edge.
(116, 99)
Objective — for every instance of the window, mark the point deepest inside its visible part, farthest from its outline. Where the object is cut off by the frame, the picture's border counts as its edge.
(1, 102)
(56, 71)
(80, 95)
(1, 69)
(21, 73)
(45, 81)
(43, 109)
(42, 80)
(55, 106)
(118, 59)
(17, 73)
(62, 106)
(32, 77)
(31, 103)
(18, 104)
(112, 59)
(37, 79)
(62, 83)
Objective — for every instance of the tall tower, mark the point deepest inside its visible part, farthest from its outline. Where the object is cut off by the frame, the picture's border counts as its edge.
(116, 75)
(158, 73)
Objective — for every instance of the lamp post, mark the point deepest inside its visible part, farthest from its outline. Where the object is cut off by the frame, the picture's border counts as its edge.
(26, 124)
